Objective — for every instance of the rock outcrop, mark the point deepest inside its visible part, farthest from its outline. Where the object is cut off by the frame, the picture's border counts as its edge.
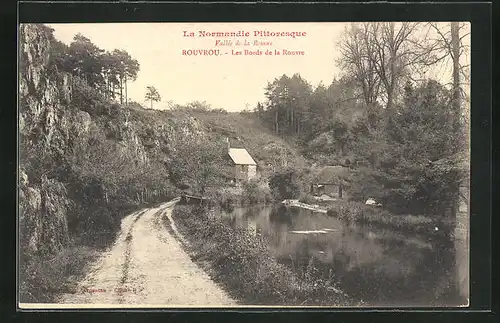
(44, 126)
(62, 180)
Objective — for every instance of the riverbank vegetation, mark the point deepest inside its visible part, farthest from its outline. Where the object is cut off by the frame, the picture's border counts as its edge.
(351, 212)
(242, 264)
(403, 135)
(255, 191)
(88, 157)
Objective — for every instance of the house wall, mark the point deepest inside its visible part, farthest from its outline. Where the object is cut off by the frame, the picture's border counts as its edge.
(252, 171)
(240, 172)
(332, 190)
(244, 172)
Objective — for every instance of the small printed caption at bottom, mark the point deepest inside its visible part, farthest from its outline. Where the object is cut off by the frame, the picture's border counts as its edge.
(88, 290)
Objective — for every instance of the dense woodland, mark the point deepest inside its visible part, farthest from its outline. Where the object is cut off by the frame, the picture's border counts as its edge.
(404, 135)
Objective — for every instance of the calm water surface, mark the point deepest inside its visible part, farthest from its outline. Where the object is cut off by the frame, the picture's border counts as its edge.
(379, 266)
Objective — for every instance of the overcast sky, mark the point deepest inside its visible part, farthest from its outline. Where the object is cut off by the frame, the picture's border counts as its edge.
(227, 81)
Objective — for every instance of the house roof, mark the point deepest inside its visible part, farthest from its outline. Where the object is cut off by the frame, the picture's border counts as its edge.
(332, 175)
(240, 156)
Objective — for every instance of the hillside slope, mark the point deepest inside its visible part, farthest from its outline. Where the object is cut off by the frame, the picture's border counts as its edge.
(246, 131)
(86, 161)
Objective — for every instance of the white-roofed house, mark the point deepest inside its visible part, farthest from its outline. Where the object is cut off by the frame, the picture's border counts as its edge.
(244, 166)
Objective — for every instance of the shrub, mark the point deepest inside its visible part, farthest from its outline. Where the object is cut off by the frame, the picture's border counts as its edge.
(242, 263)
(332, 212)
(42, 279)
(87, 98)
(356, 212)
(350, 212)
(226, 197)
(256, 192)
(308, 199)
(285, 185)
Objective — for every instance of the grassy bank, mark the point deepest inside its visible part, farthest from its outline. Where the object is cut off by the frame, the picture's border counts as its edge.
(356, 212)
(241, 262)
(43, 279)
(250, 193)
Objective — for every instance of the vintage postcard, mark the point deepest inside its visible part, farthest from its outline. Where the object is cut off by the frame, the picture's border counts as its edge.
(222, 165)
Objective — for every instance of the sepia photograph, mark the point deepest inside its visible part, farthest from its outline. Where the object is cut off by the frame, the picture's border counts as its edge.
(233, 165)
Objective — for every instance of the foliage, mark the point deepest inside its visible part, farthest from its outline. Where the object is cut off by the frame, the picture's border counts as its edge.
(352, 212)
(152, 94)
(88, 99)
(243, 264)
(106, 72)
(256, 192)
(42, 279)
(284, 185)
(308, 199)
(197, 161)
(227, 197)
(418, 138)
(107, 179)
(287, 104)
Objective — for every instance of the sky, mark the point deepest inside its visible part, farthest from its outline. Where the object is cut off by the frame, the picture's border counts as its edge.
(228, 81)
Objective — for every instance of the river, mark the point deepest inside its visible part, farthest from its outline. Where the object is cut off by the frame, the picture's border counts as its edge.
(381, 267)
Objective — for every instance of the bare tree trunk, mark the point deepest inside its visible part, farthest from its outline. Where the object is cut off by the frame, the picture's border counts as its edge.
(276, 122)
(455, 53)
(126, 92)
(461, 217)
(121, 89)
(455, 49)
(389, 99)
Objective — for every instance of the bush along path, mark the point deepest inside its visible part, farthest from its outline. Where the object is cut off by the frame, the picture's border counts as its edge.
(244, 266)
(147, 266)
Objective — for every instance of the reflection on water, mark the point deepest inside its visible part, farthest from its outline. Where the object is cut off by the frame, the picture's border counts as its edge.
(380, 267)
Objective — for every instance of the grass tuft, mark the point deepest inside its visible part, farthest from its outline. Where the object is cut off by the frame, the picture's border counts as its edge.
(242, 263)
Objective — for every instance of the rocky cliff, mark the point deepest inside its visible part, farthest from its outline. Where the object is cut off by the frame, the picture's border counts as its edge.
(82, 157)
(44, 126)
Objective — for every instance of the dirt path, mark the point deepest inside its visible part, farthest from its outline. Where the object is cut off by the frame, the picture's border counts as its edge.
(147, 265)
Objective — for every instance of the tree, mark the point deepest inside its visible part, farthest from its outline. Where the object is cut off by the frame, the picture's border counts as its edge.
(59, 55)
(198, 162)
(84, 58)
(446, 45)
(111, 73)
(442, 45)
(357, 55)
(118, 68)
(415, 172)
(152, 95)
(378, 55)
(285, 185)
(287, 104)
(199, 106)
(125, 68)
